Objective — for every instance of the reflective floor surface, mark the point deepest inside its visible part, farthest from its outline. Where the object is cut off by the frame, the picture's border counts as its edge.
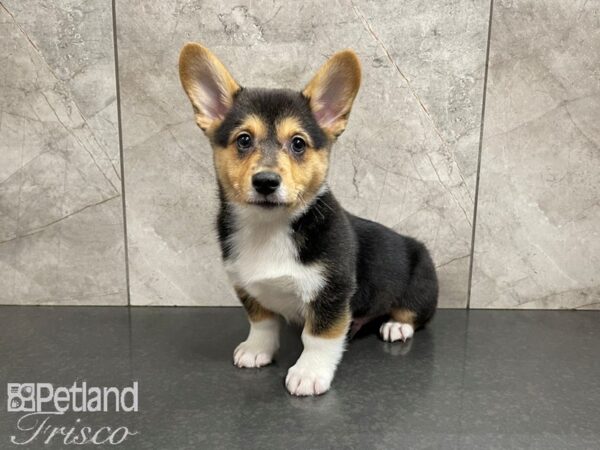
(476, 379)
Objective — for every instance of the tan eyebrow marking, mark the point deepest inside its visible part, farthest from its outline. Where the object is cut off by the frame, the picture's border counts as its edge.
(288, 127)
(254, 125)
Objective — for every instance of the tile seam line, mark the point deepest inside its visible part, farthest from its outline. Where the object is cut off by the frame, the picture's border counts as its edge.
(120, 135)
(479, 152)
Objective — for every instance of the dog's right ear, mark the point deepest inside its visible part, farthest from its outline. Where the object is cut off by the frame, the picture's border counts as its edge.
(208, 84)
(333, 89)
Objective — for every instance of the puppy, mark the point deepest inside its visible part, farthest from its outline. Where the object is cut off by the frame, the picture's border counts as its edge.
(288, 246)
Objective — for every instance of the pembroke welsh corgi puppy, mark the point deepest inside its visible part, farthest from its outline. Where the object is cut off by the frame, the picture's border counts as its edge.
(289, 248)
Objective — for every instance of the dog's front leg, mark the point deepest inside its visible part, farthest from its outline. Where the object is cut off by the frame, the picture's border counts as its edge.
(263, 339)
(324, 339)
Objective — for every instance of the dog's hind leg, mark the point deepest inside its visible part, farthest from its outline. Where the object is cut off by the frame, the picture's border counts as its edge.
(400, 326)
(418, 303)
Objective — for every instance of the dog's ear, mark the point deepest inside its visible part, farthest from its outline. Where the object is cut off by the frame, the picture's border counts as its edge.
(208, 84)
(333, 89)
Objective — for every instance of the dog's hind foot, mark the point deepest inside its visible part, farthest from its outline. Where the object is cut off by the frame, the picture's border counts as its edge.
(393, 331)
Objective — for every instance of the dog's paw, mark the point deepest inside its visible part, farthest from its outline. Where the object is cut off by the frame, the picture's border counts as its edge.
(249, 354)
(393, 331)
(302, 381)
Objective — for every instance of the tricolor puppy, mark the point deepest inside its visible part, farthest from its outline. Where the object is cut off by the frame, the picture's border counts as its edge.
(288, 246)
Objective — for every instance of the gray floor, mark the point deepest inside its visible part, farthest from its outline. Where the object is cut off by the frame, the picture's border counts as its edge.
(478, 379)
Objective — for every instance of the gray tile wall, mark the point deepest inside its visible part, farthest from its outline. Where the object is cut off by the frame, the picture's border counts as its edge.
(61, 220)
(408, 159)
(538, 218)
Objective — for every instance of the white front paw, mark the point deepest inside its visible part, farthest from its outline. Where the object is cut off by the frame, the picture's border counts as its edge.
(249, 354)
(304, 381)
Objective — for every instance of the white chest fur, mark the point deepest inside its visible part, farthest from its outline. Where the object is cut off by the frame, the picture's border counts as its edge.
(264, 262)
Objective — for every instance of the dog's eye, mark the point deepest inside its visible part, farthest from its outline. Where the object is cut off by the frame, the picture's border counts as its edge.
(244, 142)
(298, 145)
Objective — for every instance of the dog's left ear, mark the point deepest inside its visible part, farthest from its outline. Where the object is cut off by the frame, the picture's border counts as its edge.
(333, 89)
(208, 84)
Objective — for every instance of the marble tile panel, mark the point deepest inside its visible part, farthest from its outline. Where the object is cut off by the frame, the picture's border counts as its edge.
(538, 223)
(61, 221)
(408, 158)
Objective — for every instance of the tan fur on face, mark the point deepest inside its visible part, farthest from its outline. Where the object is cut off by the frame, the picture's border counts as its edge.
(303, 176)
(289, 127)
(253, 125)
(235, 172)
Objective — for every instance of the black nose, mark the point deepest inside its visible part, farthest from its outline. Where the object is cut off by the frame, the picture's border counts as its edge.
(266, 182)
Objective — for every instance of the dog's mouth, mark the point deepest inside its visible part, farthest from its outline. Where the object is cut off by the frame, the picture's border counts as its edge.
(268, 204)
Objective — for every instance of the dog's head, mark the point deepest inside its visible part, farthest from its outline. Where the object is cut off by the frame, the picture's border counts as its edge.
(271, 146)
